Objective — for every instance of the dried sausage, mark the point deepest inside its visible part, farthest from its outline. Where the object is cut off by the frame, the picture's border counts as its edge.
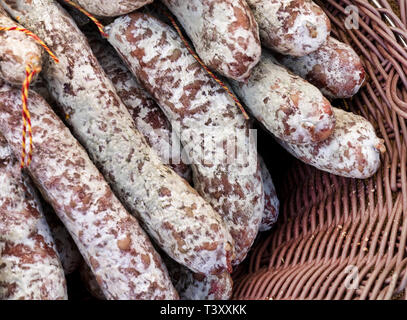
(29, 265)
(288, 106)
(170, 210)
(335, 69)
(292, 27)
(111, 241)
(224, 33)
(352, 151)
(213, 131)
(17, 51)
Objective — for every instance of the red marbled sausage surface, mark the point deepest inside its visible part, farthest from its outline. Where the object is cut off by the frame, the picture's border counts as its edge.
(353, 150)
(147, 115)
(285, 104)
(271, 202)
(17, 51)
(110, 239)
(111, 8)
(224, 33)
(170, 210)
(29, 265)
(204, 117)
(292, 27)
(335, 68)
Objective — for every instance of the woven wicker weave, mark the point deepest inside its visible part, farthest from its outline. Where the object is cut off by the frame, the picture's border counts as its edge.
(332, 229)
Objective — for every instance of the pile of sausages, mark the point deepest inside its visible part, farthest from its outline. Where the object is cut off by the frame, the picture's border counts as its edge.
(106, 195)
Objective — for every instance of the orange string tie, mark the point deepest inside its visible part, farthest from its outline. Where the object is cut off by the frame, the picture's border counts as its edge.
(197, 58)
(30, 72)
(90, 16)
(35, 37)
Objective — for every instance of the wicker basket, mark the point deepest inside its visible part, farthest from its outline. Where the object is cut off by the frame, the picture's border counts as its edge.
(342, 238)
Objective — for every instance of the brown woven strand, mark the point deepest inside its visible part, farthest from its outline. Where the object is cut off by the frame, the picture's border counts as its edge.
(328, 224)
